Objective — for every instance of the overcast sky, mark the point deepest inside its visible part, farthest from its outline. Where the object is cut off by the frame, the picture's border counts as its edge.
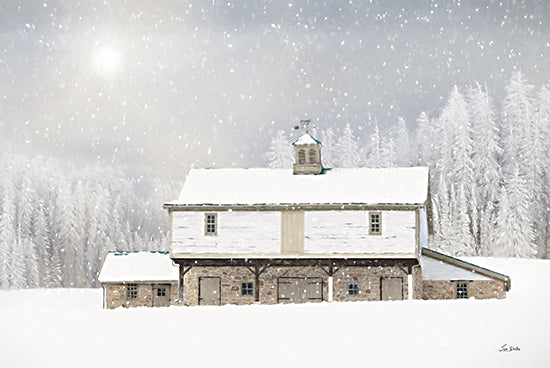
(154, 87)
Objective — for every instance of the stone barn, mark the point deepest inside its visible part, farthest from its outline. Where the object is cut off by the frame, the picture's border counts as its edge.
(139, 279)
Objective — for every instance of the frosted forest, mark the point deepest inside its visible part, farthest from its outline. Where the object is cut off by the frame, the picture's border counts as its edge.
(490, 187)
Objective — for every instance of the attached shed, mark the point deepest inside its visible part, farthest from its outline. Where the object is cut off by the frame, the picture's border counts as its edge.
(446, 277)
(139, 279)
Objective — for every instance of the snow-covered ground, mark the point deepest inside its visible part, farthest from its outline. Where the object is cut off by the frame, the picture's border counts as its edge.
(68, 328)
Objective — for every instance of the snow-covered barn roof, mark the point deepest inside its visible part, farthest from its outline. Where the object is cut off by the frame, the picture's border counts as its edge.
(260, 186)
(138, 266)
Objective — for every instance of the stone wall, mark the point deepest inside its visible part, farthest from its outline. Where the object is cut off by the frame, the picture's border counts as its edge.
(231, 279)
(478, 289)
(368, 279)
(116, 295)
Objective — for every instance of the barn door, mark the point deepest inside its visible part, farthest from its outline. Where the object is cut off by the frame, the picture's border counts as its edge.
(209, 291)
(391, 288)
(161, 295)
(300, 290)
(289, 290)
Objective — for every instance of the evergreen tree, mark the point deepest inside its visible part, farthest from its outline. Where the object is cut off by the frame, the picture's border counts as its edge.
(279, 155)
(402, 144)
(348, 151)
(374, 149)
(425, 140)
(387, 152)
(329, 157)
(485, 157)
(543, 121)
(514, 236)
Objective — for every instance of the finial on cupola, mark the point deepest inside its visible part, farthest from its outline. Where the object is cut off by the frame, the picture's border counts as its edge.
(307, 153)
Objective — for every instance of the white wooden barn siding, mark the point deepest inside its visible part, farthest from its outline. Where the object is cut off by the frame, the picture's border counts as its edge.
(238, 232)
(348, 232)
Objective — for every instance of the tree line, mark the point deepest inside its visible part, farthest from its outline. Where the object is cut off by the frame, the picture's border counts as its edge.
(57, 224)
(489, 168)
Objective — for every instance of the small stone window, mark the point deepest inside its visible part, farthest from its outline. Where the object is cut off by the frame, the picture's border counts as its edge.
(161, 291)
(211, 224)
(375, 223)
(302, 156)
(247, 288)
(312, 156)
(462, 290)
(131, 291)
(353, 289)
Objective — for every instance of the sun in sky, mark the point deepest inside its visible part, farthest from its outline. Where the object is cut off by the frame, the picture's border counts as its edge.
(107, 61)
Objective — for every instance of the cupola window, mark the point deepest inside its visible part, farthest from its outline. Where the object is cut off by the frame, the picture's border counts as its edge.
(312, 156)
(302, 156)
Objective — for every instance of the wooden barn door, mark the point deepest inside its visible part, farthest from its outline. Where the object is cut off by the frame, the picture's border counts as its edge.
(209, 291)
(300, 289)
(161, 295)
(391, 288)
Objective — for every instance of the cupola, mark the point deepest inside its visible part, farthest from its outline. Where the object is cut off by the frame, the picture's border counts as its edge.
(307, 155)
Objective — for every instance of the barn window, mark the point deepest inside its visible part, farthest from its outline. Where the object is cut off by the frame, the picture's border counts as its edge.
(247, 288)
(375, 223)
(131, 291)
(161, 291)
(211, 224)
(353, 289)
(312, 156)
(302, 156)
(462, 290)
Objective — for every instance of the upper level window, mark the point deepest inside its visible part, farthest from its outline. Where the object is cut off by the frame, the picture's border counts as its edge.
(302, 156)
(312, 155)
(462, 290)
(210, 224)
(375, 223)
(131, 291)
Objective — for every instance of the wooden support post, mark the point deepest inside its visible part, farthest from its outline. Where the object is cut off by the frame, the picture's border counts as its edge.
(256, 283)
(180, 291)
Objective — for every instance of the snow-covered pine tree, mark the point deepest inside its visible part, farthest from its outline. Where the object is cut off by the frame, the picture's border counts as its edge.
(387, 152)
(455, 159)
(543, 121)
(329, 157)
(514, 235)
(347, 149)
(279, 155)
(68, 231)
(8, 235)
(373, 159)
(485, 157)
(523, 148)
(402, 144)
(445, 232)
(43, 246)
(425, 140)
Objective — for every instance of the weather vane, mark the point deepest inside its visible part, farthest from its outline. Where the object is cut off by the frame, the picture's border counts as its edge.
(303, 124)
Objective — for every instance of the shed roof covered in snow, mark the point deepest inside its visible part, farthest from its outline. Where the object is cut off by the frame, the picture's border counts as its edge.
(439, 266)
(260, 186)
(138, 266)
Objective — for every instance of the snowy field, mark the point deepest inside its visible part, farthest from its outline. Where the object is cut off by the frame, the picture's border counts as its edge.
(68, 328)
